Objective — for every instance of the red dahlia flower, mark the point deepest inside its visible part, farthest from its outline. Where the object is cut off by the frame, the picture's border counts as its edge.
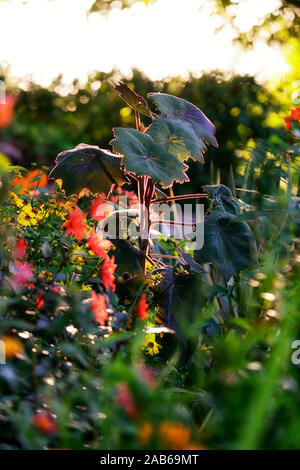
(142, 308)
(98, 307)
(75, 225)
(107, 273)
(98, 244)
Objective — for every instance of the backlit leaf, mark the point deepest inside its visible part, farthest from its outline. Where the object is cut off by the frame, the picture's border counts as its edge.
(143, 156)
(182, 110)
(88, 166)
(135, 101)
(177, 137)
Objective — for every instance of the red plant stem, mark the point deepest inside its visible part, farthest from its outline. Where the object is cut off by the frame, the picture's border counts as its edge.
(159, 255)
(173, 222)
(146, 189)
(180, 197)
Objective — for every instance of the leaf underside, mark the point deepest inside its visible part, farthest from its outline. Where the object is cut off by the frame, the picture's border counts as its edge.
(143, 156)
(135, 101)
(88, 166)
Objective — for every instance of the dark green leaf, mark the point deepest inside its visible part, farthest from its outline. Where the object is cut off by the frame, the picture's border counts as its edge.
(188, 259)
(88, 166)
(143, 156)
(222, 199)
(178, 108)
(228, 243)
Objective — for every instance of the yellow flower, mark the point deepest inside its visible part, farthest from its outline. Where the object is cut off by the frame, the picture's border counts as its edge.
(27, 217)
(47, 275)
(150, 346)
(40, 214)
(77, 259)
(18, 201)
(59, 183)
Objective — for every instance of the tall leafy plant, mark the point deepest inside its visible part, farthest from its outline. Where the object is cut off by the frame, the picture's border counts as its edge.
(156, 156)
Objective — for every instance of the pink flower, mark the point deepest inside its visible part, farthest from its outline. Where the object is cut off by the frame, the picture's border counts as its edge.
(125, 400)
(22, 273)
(100, 210)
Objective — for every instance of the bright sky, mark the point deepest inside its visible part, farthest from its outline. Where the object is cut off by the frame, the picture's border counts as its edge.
(170, 37)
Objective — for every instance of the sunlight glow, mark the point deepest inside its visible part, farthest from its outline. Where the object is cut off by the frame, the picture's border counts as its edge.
(43, 38)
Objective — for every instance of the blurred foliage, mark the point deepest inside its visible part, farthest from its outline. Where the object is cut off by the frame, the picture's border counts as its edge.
(105, 6)
(278, 26)
(51, 120)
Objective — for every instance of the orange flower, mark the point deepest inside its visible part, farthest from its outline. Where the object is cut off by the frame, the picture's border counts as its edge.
(142, 308)
(288, 122)
(145, 433)
(175, 436)
(97, 244)
(75, 225)
(7, 111)
(125, 400)
(13, 347)
(40, 301)
(98, 307)
(45, 423)
(107, 273)
(193, 446)
(295, 113)
(20, 248)
(294, 116)
(40, 180)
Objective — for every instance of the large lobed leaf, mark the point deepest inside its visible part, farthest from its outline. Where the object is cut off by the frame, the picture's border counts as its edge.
(222, 198)
(177, 137)
(185, 112)
(88, 166)
(143, 156)
(228, 241)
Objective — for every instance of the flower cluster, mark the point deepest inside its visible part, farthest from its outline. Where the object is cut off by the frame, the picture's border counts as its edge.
(293, 120)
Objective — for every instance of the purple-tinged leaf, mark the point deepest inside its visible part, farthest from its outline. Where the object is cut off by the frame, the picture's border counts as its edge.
(177, 137)
(178, 108)
(143, 156)
(135, 101)
(88, 166)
